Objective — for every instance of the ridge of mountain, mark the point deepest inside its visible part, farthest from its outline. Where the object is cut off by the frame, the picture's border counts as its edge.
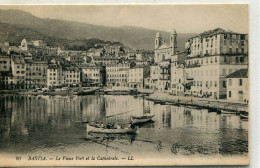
(130, 36)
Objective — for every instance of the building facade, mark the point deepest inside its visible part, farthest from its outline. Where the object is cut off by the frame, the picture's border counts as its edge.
(218, 41)
(164, 51)
(71, 77)
(18, 69)
(137, 75)
(92, 75)
(36, 74)
(206, 70)
(55, 76)
(237, 86)
(117, 74)
(5, 63)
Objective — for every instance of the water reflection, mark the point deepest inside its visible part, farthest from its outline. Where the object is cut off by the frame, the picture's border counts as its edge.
(51, 123)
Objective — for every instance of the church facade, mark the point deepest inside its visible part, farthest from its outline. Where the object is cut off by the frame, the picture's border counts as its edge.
(162, 58)
(163, 51)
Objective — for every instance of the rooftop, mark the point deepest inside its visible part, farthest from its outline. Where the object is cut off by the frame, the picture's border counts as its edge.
(214, 32)
(242, 73)
(18, 59)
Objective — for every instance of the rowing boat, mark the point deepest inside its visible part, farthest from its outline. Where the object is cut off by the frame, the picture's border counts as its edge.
(91, 129)
(141, 119)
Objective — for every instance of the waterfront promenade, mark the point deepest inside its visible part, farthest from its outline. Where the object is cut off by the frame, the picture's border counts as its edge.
(219, 104)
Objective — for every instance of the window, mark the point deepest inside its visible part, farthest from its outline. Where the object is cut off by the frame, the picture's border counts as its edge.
(242, 50)
(230, 71)
(215, 83)
(210, 83)
(225, 36)
(206, 83)
(242, 59)
(236, 59)
(236, 50)
(216, 59)
(224, 71)
(242, 43)
(230, 50)
(225, 59)
(240, 82)
(229, 93)
(230, 82)
(224, 84)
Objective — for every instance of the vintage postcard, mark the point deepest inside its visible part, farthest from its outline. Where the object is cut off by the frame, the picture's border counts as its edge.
(124, 85)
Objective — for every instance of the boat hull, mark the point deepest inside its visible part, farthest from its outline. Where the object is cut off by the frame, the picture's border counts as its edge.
(227, 112)
(91, 129)
(243, 116)
(137, 120)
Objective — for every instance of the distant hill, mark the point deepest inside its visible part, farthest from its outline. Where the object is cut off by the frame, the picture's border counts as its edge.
(14, 35)
(133, 37)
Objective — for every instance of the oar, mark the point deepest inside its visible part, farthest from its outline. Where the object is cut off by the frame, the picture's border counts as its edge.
(118, 114)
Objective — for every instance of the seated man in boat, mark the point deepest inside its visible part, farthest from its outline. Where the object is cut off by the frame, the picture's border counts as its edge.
(109, 126)
(97, 125)
(117, 126)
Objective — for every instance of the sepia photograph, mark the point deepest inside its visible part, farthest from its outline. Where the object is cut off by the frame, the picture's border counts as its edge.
(124, 85)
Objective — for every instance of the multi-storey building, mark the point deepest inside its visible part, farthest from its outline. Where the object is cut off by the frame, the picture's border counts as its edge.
(4, 75)
(237, 86)
(5, 63)
(164, 76)
(142, 62)
(178, 79)
(149, 83)
(92, 75)
(137, 75)
(206, 70)
(218, 41)
(152, 82)
(114, 50)
(36, 74)
(18, 69)
(117, 74)
(55, 76)
(71, 76)
(95, 52)
(104, 60)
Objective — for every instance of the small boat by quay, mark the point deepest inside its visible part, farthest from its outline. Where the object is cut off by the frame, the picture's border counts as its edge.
(228, 112)
(243, 116)
(141, 119)
(92, 129)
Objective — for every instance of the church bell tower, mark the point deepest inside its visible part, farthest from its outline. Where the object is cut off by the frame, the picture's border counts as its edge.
(158, 40)
(173, 42)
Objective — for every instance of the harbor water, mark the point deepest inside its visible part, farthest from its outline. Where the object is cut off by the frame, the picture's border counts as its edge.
(39, 125)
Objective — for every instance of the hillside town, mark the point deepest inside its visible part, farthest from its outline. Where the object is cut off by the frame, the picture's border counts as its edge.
(214, 65)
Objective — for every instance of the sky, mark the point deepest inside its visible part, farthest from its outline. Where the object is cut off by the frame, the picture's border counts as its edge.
(184, 18)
